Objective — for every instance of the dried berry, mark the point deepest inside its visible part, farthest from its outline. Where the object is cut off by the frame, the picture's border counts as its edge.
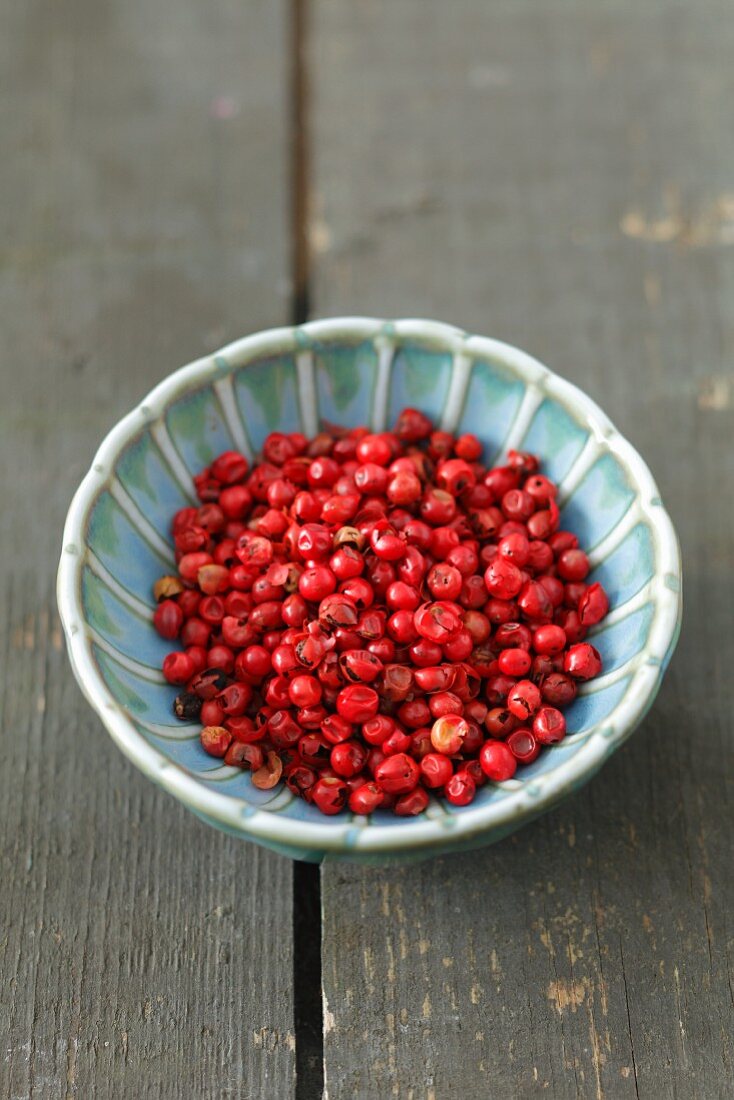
(370, 616)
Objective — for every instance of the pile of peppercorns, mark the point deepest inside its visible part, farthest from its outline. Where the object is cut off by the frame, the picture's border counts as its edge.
(373, 616)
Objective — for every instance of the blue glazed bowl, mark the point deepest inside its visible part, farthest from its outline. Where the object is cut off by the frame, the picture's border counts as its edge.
(351, 371)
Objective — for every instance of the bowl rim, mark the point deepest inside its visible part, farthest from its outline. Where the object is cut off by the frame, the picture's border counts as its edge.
(527, 798)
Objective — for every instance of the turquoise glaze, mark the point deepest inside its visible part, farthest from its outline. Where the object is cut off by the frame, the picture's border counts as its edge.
(353, 371)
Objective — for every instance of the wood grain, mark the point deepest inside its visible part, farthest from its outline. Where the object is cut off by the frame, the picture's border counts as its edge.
(560, 176)
(144, 220)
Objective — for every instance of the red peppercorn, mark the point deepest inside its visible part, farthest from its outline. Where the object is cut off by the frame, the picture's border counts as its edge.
(500, 611)
(436, 769)
(468, 447)
(323, 472)
(212, 713)
(593, 605)
(549, 726)
(518, 505)
(300, 780)
(374, 449)
(460, 789)
(242, 755)
(417, 533)
(572, 565)
(444, 703)
(460, 647)
(316, 582)
(558, 689)
(235, 502)
(444, 541)
(376, 730)
(475, 710)
(283, 729)
(168, 619)
(330, 795)
(514, 662)
(498, 688)
(244, 729)
(412, 426)
(440, 444)
(398, 741)
(190, 564)
(444, 581)
(336, 729)
(365, 799)
(253, 663)
(540, 556)
(191, 539)
(414, 713)
(513, 636)
(386, 543)
(523, 745)
(215, 740)
(315, 750)
(534, 602)
(237, 632)
(448, 733)
(212, 610)
(411, 804)
(348, 758)
(573, 592)
(360, 666)
(357, 703)
(455, 475)
(178, 668)
(438, 622)
(572, 626)
(438, 507)
(523, 699)
(229, 467)
(500, 722)
(503, 579)
(420, 742)
(346, 563)
(401, 627)
(395, 683)
(304, 691)
(516, 548)
(562, 540)
(404, 488)
(199, 657)
(358, 592)
(582, 661)
(497, 760)
(402, 596)
(544, 522)
(549, 640)
(397, 774)
(235, 699)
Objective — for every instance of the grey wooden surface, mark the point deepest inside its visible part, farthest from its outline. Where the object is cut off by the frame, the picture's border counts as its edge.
(143, 220)
(560, 175)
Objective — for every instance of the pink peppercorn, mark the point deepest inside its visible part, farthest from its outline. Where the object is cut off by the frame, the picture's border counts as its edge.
(497, 760)
(365, 572)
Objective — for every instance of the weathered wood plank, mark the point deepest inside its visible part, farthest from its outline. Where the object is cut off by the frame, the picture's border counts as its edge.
(560, 176)
(144, 220)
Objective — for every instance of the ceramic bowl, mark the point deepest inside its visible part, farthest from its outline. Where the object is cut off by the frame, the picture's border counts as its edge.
(353, 371)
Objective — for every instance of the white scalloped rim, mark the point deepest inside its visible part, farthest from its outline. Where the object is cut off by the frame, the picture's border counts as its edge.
(524, 801)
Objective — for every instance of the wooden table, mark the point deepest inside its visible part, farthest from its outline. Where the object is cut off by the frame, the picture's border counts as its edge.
(560, 175)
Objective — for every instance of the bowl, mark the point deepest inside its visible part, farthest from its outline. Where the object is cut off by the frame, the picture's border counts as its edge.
(350, 371)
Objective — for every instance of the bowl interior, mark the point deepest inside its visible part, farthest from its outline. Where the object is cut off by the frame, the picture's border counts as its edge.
(349, 381)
